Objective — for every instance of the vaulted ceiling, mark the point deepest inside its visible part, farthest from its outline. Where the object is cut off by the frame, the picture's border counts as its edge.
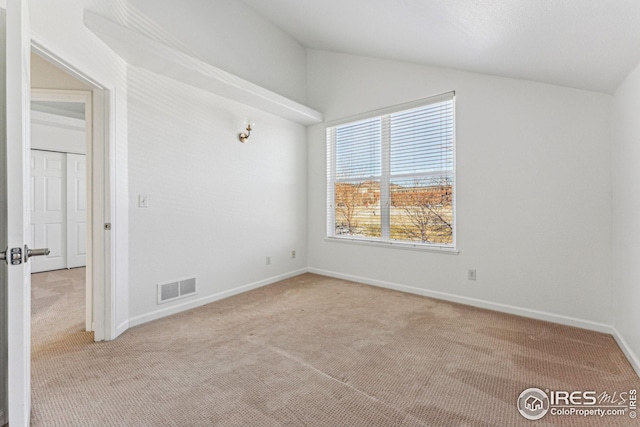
(585, 44)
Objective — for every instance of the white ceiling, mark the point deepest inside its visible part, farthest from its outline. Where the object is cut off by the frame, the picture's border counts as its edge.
(586, 44)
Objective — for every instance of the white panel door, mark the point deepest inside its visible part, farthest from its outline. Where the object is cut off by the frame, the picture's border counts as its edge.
(3, 236)
(13, 198)
(48, 209)
(76, 210)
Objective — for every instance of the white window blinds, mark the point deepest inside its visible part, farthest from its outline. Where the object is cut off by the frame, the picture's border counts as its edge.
(391, 177)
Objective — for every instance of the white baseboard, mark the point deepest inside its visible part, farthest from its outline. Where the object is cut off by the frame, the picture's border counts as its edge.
(188, 305)
(121, 328)
(504, 308)
(631, 356)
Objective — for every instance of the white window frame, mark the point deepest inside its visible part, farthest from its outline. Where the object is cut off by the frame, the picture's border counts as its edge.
(384, 178)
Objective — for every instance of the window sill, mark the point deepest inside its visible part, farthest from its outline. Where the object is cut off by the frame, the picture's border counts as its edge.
(395, 245)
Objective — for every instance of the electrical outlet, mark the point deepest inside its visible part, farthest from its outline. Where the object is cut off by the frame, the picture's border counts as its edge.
(293, 253)
(471, 275)
(268, 260)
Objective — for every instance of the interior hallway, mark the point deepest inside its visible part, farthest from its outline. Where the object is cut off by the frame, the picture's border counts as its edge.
(309, 351)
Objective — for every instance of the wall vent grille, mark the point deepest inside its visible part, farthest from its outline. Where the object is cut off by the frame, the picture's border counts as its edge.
(170, 291)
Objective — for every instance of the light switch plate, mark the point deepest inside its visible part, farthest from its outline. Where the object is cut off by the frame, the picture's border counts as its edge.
(143, 200)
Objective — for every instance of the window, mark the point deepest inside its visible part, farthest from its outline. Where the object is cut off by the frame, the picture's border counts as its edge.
(391, 178)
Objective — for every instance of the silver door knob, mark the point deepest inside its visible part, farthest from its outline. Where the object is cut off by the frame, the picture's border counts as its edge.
(28, 253)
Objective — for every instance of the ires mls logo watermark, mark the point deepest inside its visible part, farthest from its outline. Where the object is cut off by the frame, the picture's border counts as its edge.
(534, 403)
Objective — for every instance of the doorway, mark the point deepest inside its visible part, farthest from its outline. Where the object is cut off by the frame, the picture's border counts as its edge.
(61, 123)
(58, 87)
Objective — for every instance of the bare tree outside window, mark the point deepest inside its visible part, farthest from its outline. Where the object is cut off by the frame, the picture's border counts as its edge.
(422, 211)
(357, 208)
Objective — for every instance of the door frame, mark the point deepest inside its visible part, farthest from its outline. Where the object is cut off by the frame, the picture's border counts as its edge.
(100, 174)
(94, 289)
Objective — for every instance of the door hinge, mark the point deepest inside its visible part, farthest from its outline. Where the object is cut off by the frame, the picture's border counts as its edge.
(12, 256)
(107, 226)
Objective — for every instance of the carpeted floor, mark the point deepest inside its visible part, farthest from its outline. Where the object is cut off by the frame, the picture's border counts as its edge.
(311, 351)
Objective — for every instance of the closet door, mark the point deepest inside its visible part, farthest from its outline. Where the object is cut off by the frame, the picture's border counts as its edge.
(76, 210)
(48, 209)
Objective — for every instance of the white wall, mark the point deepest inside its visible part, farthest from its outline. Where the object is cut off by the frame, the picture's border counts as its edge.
(46, 76)
(626, 213)
(534, 190)
(49, 131)
(57, 133)
(218, 207)
(58, 27)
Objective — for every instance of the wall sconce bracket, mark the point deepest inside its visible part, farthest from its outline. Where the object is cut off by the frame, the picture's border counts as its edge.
(245, 135)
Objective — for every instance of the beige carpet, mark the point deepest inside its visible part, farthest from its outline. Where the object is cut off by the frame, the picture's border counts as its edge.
(310, 351)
